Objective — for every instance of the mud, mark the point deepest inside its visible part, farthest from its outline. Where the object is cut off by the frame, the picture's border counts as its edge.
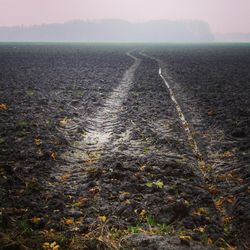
(91, 140)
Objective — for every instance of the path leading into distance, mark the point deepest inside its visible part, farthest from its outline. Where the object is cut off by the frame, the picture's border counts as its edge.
(140, 127)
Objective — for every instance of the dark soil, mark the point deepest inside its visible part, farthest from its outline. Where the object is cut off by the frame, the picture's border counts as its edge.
(212, 85)
(92, 147)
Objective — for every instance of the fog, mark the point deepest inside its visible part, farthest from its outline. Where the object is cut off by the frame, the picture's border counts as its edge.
(112, 31)
(224, 16)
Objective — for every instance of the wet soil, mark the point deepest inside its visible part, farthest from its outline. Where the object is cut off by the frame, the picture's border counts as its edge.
(92, 145)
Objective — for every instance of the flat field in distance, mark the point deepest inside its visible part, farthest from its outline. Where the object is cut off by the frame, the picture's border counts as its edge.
(97, 152)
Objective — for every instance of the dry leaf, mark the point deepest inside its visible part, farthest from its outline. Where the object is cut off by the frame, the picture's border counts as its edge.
(53, 244)
(185, 237)
(143, 213)
(231, 199)
(53, 156)
(35, 220)
(200, 211)
(46, 246)
(38, 142)
(127, 202)
(69, 222)
(223, 177)
(200, 229)
(64, 121)
(102, 218)
(219, 203)
(80, 202)
(95, 190)
(209, 241)
(78, 222)
(142, 168)
(65, 177)
(213, 190)
(228, 154)
(227, 220)
(125, 193)
(159, 184)
(3, 106)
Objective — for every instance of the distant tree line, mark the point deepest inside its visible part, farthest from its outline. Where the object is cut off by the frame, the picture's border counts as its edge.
(112, 31)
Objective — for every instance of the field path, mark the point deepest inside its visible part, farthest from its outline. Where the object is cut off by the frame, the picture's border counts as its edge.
(207, 172)
(95, 142)
(137, 154)
(184, 122)
(126, 146)
(100, 126)
(217, 149)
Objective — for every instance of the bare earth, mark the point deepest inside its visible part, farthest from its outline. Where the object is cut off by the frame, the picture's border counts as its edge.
(100, 151)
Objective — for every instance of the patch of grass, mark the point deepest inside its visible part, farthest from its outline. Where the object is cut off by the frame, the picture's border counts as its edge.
(165, 228)
(151, 221)
(150, 226)
(134, 229)
(22, 124)
(24, 227)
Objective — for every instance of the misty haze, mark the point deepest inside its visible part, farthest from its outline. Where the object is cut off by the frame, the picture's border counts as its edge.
(112, 30)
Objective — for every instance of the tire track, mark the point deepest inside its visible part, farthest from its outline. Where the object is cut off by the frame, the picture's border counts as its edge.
(184, 122)
(100, 127)
(153, 148)
(201, 163)
(96, 138)
(134, 142)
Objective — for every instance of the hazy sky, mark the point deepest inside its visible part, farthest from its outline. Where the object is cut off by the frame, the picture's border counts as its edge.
(222, 15)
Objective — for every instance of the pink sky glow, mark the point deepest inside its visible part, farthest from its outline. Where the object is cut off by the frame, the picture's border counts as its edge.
(222, 15)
